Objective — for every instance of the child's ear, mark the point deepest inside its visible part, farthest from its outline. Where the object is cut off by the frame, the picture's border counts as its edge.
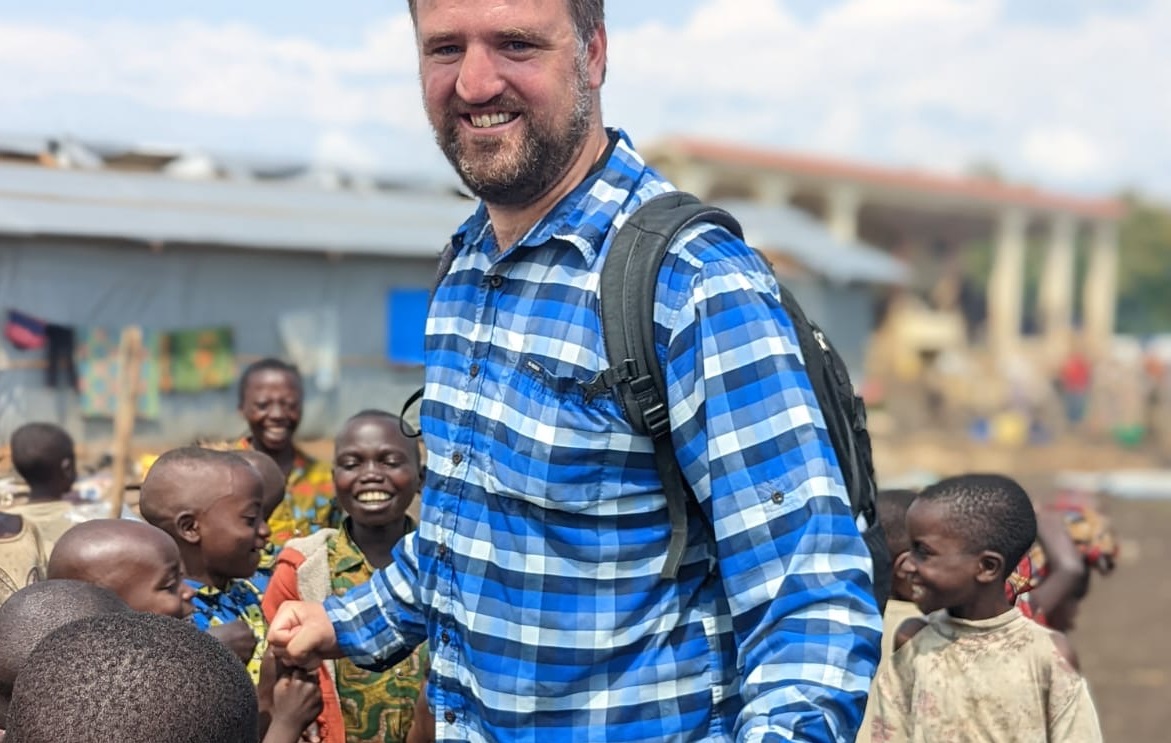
(422, 476)
(69, 467)
(187, 527)
(991, 567)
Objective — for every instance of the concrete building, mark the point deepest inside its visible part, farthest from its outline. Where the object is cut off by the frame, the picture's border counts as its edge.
(928, 220)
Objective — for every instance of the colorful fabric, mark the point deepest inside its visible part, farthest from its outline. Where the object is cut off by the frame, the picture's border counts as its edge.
(376, 706)
(97, 365)
(24, 332)
(214, 607)
(535, 572)
(308, 504)
(198, 360)
(998, 680)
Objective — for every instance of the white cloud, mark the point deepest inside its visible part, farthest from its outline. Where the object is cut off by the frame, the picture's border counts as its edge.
(930, 83)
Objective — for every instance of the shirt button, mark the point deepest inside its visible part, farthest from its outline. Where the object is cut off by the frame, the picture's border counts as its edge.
(442, 551)
(449, 716)
(496, 281)
(474, 371)
(445, 637)
(778, 497)
(457, 458)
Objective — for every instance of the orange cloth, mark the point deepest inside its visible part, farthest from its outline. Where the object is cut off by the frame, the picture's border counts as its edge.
(283, 587)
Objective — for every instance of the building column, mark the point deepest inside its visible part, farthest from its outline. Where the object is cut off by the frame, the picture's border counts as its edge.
(1055, 298)
(1100, 291)
(843, 202)
(695, 179)
(774, 190)
(1007, 283)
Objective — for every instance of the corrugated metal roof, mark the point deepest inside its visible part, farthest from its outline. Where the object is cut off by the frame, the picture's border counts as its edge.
(794, 233)
(259, 215)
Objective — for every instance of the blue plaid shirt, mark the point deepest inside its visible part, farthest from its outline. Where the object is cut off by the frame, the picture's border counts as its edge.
(534, 573)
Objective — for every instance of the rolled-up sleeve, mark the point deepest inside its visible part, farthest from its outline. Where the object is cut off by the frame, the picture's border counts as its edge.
(379, 622)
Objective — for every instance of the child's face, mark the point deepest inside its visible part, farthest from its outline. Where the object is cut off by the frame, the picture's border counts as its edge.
(940, 566)
(272, 407)
(375, 472)
(232, 529)
(149, 579)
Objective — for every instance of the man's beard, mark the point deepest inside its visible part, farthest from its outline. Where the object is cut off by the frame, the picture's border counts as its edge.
(501, 173)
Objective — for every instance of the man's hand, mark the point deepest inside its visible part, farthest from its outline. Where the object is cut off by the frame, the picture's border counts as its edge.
(301, 635)
(237, 636)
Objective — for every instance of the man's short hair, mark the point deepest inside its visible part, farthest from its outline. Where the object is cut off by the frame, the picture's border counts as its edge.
(587, 15)
(132, 678)
(989, 512)
(38, 450)
(892, 508)
(37, 610)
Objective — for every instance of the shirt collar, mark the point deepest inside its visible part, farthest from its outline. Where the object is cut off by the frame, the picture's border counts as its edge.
(584, 216)
(347, 556)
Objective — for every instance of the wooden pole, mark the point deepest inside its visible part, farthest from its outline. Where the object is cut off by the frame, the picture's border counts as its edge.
(129, 369)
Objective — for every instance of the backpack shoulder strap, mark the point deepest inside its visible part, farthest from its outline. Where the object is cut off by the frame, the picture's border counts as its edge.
(627, 297)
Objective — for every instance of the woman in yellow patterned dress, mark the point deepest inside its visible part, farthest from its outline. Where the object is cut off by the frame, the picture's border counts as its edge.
(270, 397)
(376, 475)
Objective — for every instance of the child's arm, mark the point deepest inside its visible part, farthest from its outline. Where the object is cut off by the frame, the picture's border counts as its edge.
(1072, 717)
(423, 723)
(236, 636)
(1067, 567)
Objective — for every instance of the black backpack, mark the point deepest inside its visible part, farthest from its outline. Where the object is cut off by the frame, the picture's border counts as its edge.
(627, 296)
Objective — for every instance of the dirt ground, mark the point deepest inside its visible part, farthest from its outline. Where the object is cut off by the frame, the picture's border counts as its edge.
(1121, 636)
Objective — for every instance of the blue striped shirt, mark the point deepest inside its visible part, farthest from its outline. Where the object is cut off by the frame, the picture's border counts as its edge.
(534, 573)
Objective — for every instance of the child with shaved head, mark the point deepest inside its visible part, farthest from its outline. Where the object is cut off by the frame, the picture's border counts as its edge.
(34, 612)
(209, 502)
(137, 561)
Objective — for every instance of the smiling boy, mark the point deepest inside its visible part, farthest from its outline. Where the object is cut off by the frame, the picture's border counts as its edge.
(209, 502)
(976, 669)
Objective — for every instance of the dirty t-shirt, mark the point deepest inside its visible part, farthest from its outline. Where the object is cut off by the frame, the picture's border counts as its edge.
(999, 680)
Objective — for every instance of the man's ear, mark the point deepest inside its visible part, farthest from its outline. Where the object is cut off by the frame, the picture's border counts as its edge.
(187, 527)
(596, 57)
(991, 567)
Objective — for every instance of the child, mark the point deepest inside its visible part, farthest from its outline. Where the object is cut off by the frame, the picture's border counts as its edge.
(892, 513)
(132, 678)
(274, 494)
(270, 397)
(43, 455)
(209, 503)
(976, 669)
(376, 476)
(34, 612)
(22, 554)
(137, 561)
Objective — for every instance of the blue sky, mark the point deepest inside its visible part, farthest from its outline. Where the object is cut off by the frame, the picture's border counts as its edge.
(1061, 93)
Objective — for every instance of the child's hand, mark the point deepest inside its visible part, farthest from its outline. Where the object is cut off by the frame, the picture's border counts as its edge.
(237, 636)
(290, 700)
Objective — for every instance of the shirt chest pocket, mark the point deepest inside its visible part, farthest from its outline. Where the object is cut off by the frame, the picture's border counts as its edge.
(552, 443)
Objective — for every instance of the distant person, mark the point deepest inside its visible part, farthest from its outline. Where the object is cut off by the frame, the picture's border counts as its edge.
(135, 560)
(892, 514)
(132, 678)
(1074, 382)
(33, 613)
(209, 503)
(976, 669)
(44, 457)
(376, 475)
(271, 393)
